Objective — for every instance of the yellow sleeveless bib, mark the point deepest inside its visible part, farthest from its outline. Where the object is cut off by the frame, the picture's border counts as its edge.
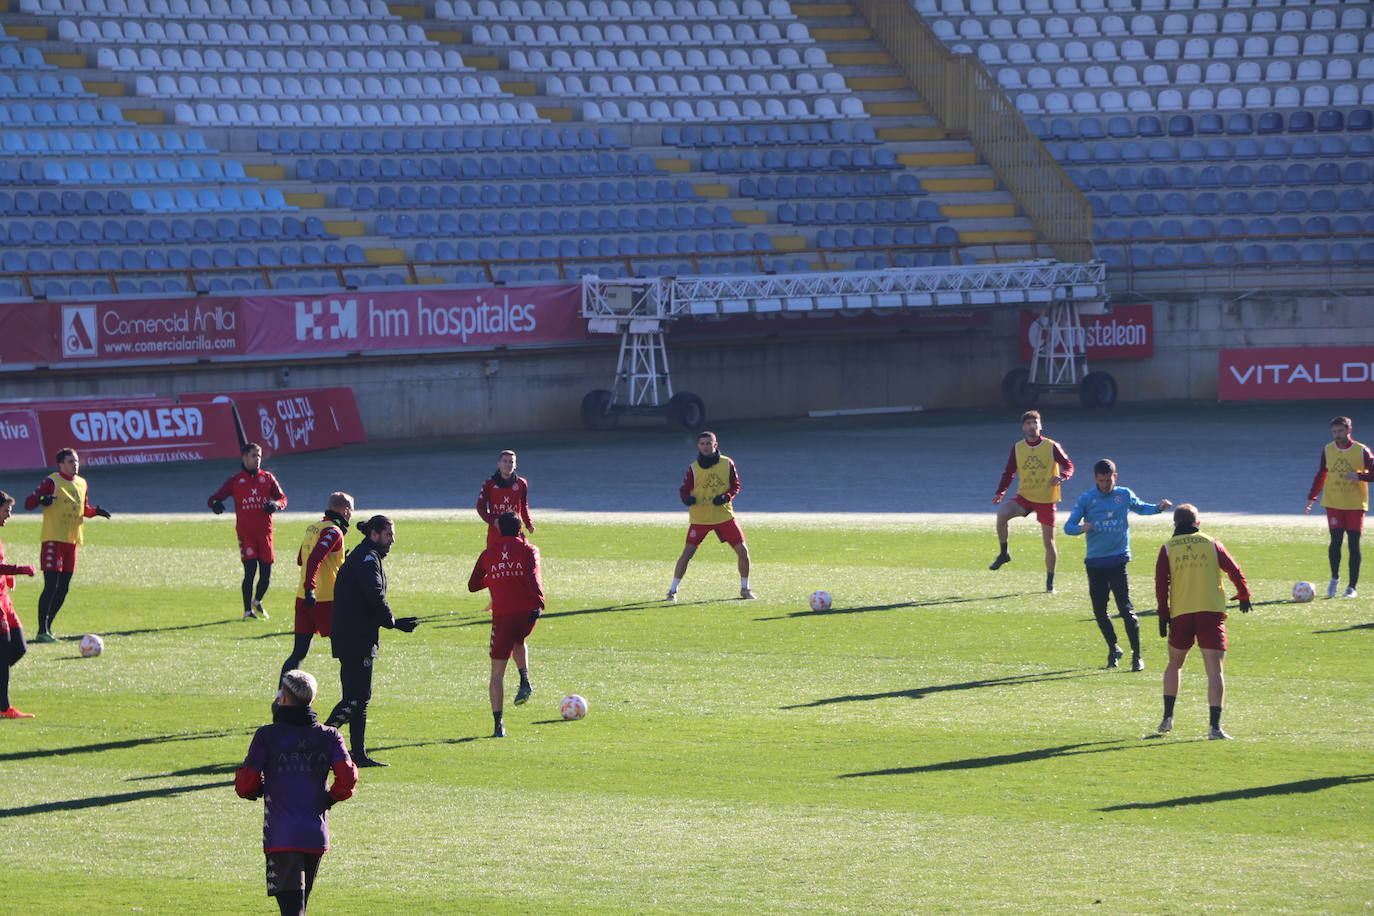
(1195, 582)
(1340, 493)
(1035, 465)
(707, 484)
(63, 519)
(329, 566)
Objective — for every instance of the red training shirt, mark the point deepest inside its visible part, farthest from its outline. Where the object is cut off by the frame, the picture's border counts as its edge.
(509, 568)
(493, 501)
(250, 491)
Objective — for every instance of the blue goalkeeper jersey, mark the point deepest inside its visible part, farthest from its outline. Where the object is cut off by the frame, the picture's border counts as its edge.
(1109, 538)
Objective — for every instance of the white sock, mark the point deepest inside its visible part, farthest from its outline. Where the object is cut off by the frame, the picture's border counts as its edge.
(743, 581)
(676, 583)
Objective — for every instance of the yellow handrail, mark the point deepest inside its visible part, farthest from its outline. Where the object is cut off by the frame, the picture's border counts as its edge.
(967, 100)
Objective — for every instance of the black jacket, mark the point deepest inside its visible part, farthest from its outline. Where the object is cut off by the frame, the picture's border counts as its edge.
(360, 607)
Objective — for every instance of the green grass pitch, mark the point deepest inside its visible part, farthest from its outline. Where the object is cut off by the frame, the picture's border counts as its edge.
(944, 740)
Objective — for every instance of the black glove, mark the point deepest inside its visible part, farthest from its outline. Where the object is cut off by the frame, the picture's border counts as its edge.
(45, 499)
(1245, 605)
(309, 599)
(721, 500)
(217, 507)
(534, 615)
(269, 507)
(1163, 627)
(103, 513)
(689, 501)
(407, 624)
(328, 801)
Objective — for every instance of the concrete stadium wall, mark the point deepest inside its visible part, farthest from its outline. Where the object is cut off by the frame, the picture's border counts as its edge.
(416, 397)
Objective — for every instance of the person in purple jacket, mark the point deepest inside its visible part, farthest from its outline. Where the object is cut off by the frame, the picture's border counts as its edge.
(287, 765)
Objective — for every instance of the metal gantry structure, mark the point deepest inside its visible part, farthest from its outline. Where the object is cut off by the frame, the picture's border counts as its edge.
(640, 310)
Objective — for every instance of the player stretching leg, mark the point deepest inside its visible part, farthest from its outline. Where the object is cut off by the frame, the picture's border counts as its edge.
(65, 510)
(708, 490)
(320, 555)
(1345, 495)
(1192, 606)
(256, 496)
(1042, 465)
(509, 570)
(1104, 512)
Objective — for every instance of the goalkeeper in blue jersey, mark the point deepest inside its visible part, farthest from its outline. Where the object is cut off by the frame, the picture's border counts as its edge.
(1103, 513)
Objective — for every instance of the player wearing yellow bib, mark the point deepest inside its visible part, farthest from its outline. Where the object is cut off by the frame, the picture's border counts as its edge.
(1345, 496)
(320, 555)
(1192, 607)
(708, 490)
(65, 508)
(1042, 464)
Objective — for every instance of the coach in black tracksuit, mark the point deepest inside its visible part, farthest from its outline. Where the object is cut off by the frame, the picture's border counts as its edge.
(360, 611)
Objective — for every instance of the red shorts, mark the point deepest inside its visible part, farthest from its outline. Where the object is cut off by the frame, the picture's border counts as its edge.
(257, 546)
(509, 631)
(1044, 512)
(1345, 519)
(1207, 627)
(728, 532)
(57, 556)
(315, 619)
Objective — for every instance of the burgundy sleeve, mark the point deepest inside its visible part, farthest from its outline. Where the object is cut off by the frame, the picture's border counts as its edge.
(1064, 462)
(222, 493)
(1232, 569)
(345, 779)
(685, 490)
(478, 580)
(535, 583)
(276, 492)
(248, 782)
(12, 571)
(1368, 472)
(45, 488)
(1007, 473)
(735, 485)
(1162, 583)
(525, 503)
(89, 511)
(330, 540)
(1320, 480)
(483, 511)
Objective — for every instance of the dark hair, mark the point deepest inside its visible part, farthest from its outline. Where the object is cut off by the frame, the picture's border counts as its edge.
(1185, 516)
(1030, 415)
(64, 453)
(1341, 421)
(5, 498)
(248, 447)
(374, 525)
(707, 432)
(509, 524)
(504, 452)
(1105, 466)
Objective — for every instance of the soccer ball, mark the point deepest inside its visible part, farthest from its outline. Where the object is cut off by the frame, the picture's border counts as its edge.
(91, 645)
(1304, 591)
(820, 600)
(572, 707)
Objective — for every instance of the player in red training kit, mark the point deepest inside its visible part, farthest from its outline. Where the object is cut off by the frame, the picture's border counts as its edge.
(1043, 465)
(509, 569)
(504, 492)
(256, 496)
(12, 645)
(1345, 497)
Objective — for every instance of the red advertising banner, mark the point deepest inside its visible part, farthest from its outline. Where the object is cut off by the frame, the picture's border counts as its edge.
(298, 420)
(21, 441)
(1126, 332)
(28, 337)
(139, 432)
(1295, 374)
(414, 319)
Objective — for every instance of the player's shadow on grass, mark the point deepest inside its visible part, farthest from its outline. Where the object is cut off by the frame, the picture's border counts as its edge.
(441, 741)
(1354, 626)
(101, 801)
(1282, 788)
(102, 746)
(934, 602)
(917, 693)
(209, 769)
(485, 619)
(997, 760)
(143, 630)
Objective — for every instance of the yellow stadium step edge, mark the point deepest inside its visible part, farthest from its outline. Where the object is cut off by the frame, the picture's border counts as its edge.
(27, 32)
(104, 88)
(937, 185)
(445, 36)
(555, 114)
(384, 255)
(822, 10)
(858, 33)
(65, 61)
(673, 165)
(751, 217)
(266, 172)
(860, 59)
(145, 115)
(978, 211)
(875, 83)
(911, 133)
(789, 242)
(715, 191)
(482, 62)
(921, 159)
(304, 201)
(994, 236)
(349, 227)
(520, 87)
(406, 11)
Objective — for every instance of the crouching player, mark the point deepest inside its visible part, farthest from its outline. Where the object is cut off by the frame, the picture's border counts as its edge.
(509, 569)
(287, 765)
(320, 556)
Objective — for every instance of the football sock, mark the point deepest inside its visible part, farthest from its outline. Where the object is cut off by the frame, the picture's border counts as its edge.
(264, 579)
(1354, 538)
(1214, 713)
(743, 581)
(4, 687)
(1049, 581)
(676, 583)
(292, 902)
(357, 733)
(298, 653)
(1333, 551)
(524, 676)
(496, 717)
(1004, 548)
(250, 567)
(1169, 706)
